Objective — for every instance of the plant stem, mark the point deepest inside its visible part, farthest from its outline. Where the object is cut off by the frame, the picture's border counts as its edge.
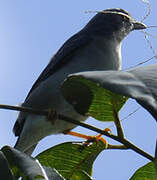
(118, 125)
(122, 147)
(122, 140)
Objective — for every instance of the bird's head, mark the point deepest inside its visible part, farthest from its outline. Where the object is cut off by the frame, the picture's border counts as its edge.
(113, 23)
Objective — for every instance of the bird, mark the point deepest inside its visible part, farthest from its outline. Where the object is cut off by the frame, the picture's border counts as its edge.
(96, 47)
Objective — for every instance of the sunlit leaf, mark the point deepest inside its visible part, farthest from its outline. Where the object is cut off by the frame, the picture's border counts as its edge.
(139, 84)
(146, 172)
(91, 99)
(72, 160)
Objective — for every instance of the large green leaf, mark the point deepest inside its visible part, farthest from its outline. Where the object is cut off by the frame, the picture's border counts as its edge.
(146, 172)
(28, 166)
(72, 160)
(91, 99)
(139, 84)
(5, 171)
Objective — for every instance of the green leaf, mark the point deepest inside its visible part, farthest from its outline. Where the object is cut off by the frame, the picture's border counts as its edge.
(5, 171)
(91, 99)
(72, 160)
(29, 167)
(52, 173)
(81, 175)
(146, 172)
(139, 84)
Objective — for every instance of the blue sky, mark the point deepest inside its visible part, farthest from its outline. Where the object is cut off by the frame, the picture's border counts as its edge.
(31, 32)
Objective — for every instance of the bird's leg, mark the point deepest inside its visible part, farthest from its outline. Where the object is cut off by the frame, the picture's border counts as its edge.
(52, 115)
(89, 138)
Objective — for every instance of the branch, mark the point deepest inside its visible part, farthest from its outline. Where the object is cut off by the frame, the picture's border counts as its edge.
(124, 141)
(24, 109)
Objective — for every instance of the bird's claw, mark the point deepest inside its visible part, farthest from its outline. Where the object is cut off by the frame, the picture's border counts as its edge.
(89, 139)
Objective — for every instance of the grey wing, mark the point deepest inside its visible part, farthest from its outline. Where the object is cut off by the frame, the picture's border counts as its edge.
(62, 57)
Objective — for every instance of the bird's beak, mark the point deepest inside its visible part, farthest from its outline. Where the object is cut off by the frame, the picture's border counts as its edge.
(138, 25)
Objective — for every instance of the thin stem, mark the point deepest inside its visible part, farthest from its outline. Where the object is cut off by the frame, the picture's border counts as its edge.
(118, 125)
(141, 63)
(122, 147)
(149, 10)
(149, 34)
(151, 26)
(124, 141)
(130, 114)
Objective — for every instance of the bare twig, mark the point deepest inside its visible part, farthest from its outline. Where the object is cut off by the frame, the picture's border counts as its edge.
(149, 34)
(124, 141)
(149, 10)
(150, 44)
(130, 114)
(141, 63)
(151, 27)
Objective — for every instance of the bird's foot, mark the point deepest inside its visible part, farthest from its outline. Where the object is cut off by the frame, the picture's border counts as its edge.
(90, 139)
(52, 115)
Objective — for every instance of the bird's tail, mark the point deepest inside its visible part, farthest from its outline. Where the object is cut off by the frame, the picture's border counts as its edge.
(28, 151)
